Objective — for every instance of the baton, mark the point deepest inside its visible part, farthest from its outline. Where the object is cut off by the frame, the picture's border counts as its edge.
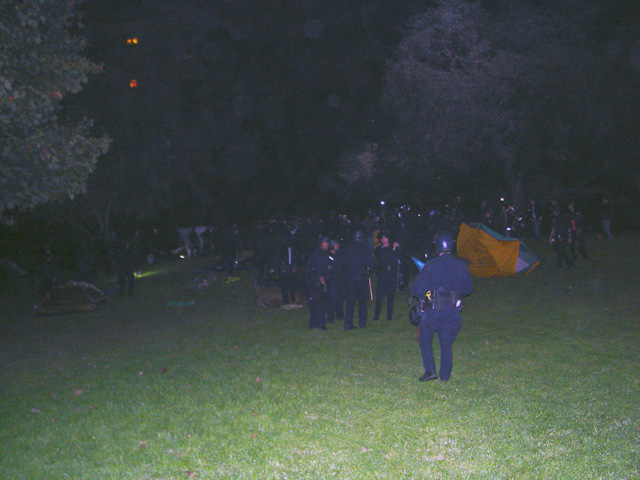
(370, 290)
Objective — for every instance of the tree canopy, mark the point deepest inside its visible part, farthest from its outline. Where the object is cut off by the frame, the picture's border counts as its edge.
(524, 93)
(44, 156)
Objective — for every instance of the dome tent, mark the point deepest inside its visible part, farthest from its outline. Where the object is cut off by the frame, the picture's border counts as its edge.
(71, 297)
(489, 254)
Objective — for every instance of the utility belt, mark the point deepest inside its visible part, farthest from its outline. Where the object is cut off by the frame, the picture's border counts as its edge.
(438, 300)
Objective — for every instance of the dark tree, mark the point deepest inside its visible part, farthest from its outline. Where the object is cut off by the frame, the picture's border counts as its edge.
(43, 156)
(523, 93)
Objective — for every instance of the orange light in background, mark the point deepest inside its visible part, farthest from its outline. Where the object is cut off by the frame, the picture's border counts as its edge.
(133, 83)
(132, 41)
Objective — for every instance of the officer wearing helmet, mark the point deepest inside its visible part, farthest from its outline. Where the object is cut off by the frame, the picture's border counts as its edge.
(560, 237)
(356, 264)
(387, 256)
(335, 285)
(439, 288)
(315, 281)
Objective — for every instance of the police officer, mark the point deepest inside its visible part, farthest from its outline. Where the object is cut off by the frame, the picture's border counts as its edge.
(404, 232)
(288, 275)
(126, 264)
(356, 264)
(548, 215)
(439, 287)
(534, 218)
(229, 241)
(560, 237)
(335, 285)
(576, 221)
(315, 283)
(387, 258)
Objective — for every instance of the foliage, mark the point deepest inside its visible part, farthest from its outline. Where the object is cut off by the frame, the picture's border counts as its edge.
(362, 166)
(265, 104)
(545, 384)
(516, 91)
(43, 157)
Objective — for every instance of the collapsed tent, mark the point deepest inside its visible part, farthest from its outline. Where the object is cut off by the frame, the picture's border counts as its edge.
(489, 254)
(269, 294)
(72, 297)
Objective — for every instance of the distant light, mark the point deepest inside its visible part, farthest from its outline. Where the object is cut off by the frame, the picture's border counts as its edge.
(132, 41)
(133, 83)
(382, 202)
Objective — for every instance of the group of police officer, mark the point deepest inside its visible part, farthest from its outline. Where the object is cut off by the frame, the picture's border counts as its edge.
(566, 236)
(335, 277)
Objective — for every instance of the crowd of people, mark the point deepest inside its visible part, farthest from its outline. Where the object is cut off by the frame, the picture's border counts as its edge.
(341, 263)
(334, 259)
(283, 246)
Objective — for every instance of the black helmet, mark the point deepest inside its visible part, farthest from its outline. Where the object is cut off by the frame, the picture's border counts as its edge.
(358, 236)
(384, 234)
(444, 242)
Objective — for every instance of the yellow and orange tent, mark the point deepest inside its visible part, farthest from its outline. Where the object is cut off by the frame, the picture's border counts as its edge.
(489, 254)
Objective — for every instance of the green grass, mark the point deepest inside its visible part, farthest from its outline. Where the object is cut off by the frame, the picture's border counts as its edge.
(545, 384)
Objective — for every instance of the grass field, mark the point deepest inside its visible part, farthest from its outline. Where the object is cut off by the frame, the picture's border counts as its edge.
(546, 384)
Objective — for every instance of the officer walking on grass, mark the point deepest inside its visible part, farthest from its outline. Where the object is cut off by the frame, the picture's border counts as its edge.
(439, 287)
(387, 256)
(316, 284)
(356, 264)
(560, 238)
(335, 285)
(126, 264)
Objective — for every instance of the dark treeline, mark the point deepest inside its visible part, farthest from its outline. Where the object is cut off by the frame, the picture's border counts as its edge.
(242, 109)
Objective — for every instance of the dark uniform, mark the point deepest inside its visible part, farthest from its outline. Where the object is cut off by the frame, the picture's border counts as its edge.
(126, 264)
(269, 256)
(547, 216)
(387, 258)
(533, 219)
(577, 233)
(335, 284)
(356, 264)
(439, 286)
(510, 221)
(560, 237)
(229, 241)
(315, 283)
(404, 231)
(288, 276)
